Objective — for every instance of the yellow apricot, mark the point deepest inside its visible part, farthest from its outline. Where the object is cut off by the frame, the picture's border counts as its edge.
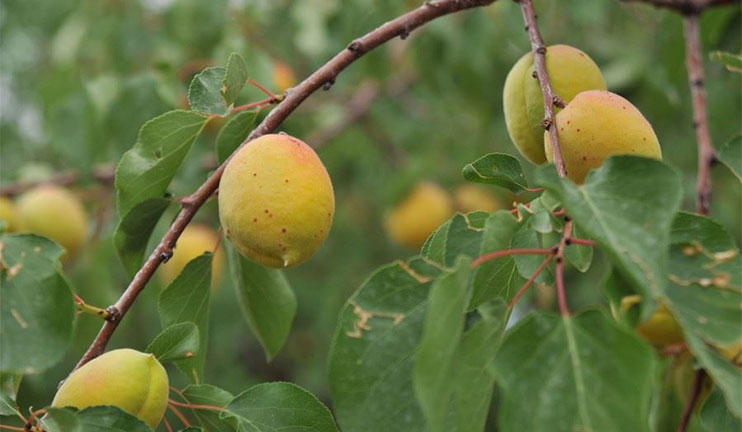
(570, 70)
(283, 76)
(193, 242)
(598, 124)
(128, 379)
(420, 213)
(8, 215)
(470, 197)
(661, 329)
(54, 212)
(276, 201)
(733, 353)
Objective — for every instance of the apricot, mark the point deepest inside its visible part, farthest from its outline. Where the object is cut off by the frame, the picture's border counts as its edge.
(570, 70)
(661, 329)
(283, 76)
(193, 242)
(733, 353)
(276, 201)
(598, 124)
(8, 215)
(470, 197)
(418, 215)
(54, 212)
(128, 379)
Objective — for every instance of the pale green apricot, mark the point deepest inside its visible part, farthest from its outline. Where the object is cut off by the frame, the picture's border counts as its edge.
(418, 215)
(128, 379)
(276, 201)
(570, 70)
(598, 124)
(54, 212)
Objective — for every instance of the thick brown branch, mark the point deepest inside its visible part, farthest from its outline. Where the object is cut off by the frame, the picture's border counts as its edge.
(322, 78)
(706, 152)
(685, 6)
(539, 64)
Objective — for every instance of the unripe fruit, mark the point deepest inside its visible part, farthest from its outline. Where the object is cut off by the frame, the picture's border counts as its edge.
(276, 201)
(8, 215)
(193, 242)
(661, 329)
(598, 124)
(56, 213)
(131, 380)
(570, 70)
(412, 221)
(283, 76)
(470, 197)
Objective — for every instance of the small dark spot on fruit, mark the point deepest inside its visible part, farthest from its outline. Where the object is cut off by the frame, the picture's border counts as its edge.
(584, 158)
(569, 121)
(286, 181)
(624, 107)
(254, 219)
(561, 129)
(270, 215)
(644, 139)
(266, 211)
(578, 130)
(254, 174)
(283, 230)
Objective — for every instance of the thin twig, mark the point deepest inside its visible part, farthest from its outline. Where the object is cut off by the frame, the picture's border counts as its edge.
(550, 99)
(579, 241)
(321, 78)
(508, 252)
(530, 281)
(179, 414)
(196, 406)
(692, 400)
(561, 295)
(257, 85)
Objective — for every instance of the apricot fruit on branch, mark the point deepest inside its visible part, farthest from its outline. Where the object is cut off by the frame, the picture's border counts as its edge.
(54, 212)
(598, 124)
(570, 71)
(471, 197)
(8, 215)
(276, 201)
(193, 242)
(283, 76)
(128, 379)
(420, 213)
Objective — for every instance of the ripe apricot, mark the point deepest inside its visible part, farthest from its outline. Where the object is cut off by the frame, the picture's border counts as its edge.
(8, 215)
(661, 329)
(420, 213)
(193, 242)
(283, 76)
(470, 197)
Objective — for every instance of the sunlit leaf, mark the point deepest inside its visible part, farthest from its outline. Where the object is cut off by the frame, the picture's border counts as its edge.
(500, 169)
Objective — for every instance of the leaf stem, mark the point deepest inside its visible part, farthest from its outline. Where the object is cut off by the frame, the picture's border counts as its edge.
(530, 280)
(196, 406)
(85, 308)
(507, 252)
(579, 241)
(178, 414)
(261, 88)
(692, 400)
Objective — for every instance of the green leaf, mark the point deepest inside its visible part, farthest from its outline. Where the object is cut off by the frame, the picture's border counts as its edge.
(278, 406)
(9, 383)
(500, 169)
(177, 342)
(499, 277)
(582, 373)
(704, 294)
(733, 62)
(37, 310)
(134, 231)
(233, 133)
(186, 299)
(715, 416)
(434, 360)
(461, 235)
(528, 238)
(205, 394)
(146, 170)
(93, 419)
(373, 351)
(579, 256)
(205, 92)
(267, 301)
(235, 78)
(731, 155)
(627, 207)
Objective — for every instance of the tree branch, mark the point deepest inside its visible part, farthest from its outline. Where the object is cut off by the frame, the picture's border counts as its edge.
(539, 64)
(324, 77)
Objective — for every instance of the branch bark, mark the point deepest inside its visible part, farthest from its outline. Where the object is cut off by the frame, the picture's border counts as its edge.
(323, 77)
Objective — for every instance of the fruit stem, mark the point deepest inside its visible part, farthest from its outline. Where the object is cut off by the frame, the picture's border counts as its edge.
(83, 307)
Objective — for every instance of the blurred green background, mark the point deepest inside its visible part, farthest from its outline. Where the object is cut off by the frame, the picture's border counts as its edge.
(78, 79)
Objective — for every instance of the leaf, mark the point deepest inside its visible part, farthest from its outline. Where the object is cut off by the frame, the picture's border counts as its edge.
(627, 207)
(278, 406)
(93, 419)
(146, 170)
(580, 256)
(704, 294)
(499, 277)
(233, 133)
(205, 394)
(574, 373)
(267, 301)
(373, 351)
(134, 231)
(37, 310)
(731, 155)
(434, 360)
(177, 342)
(9, 383)
(186, 299)
(235, 78)
(715, 416)
(500, 169)
(528, 238)
(733, 62)
(459, 236)
(205, 92)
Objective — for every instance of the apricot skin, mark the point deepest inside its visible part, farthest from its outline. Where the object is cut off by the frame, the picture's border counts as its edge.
(283, 76)
(598, 124)
(470, 197)
(661, 329)
(131, 380)
(193, 242)
(418, 215)
(54, 212)
(570, 70)
(8, 215)
(276, 201)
